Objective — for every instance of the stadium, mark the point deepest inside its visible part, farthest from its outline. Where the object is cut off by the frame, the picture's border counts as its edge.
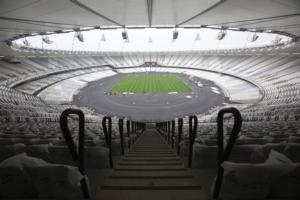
(169, 99)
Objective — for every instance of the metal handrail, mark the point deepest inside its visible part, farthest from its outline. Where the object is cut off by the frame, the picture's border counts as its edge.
(128, 132)
(224, 154)
(107, 133)
(77, 154)
(168, 128)
(132, 131)
(172, 133)
(193, 124)
(160, 127)
(180, 129)
(121, 122)
(139, 129)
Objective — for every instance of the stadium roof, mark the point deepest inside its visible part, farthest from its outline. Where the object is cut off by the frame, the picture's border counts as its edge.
(28, 16)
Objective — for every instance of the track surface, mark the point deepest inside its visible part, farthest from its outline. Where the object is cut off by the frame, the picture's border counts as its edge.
(149, 106)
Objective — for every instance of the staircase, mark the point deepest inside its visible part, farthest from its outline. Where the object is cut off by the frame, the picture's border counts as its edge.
(150, 170)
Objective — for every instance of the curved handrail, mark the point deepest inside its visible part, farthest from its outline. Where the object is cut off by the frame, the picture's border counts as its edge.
(107, 133)
(77, 155)
(121, 122)
(180, 127)
(193, 124)
(224, 154)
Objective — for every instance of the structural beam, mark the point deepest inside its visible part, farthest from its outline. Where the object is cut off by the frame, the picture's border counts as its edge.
(81, 5)
(149, 9)
(202, 12)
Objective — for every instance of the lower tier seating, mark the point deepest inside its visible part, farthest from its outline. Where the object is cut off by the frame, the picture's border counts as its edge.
(23, 176)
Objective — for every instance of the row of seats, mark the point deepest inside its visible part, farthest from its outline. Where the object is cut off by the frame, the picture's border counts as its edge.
(36, 85)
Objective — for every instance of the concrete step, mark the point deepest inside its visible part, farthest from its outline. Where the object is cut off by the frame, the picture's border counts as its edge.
(151, 174)
(151, 184)
(152, 194)
(150, 155)
(139, 159)
(141, 187)
(151, 150)
(154, 152)
(150, 168)
(163, 146)
(150, 163)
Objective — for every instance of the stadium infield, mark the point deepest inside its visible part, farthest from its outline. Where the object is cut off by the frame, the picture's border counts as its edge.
(150, 84)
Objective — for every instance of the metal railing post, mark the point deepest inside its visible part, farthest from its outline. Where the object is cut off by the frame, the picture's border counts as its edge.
(193, 124)
(224, 154)
(77, 155)
(128, 132)
(172, 133)
(180, 127)
(132, 131)
(121, 135)
(168, 128)
(107, 133)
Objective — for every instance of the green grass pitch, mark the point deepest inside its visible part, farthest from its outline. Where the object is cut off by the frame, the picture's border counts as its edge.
(150, 84)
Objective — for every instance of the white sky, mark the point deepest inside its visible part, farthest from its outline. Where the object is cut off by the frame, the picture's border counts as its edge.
(161, 40)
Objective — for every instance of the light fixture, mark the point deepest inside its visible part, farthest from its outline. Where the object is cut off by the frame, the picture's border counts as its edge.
(47, 40)
(103, 38)
(26, 43)
(79, 36)
(197, 37)
(124, 35)
(254, 37)
(221, 34)
(175, 34)
(277, 40)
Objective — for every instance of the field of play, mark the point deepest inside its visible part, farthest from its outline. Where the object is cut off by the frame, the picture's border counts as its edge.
(150, 84)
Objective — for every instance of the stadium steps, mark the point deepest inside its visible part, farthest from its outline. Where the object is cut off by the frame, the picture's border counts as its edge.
(150, 170)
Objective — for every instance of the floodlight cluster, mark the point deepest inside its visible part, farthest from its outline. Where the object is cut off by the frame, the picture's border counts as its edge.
(152, 39)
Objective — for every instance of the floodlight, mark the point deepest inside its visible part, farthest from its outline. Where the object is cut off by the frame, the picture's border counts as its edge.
(47, 40)
(277, 40)
(254, 37)
(79, 36)
(175, 34)
(26, 43)
(124, 35)
(221, 35)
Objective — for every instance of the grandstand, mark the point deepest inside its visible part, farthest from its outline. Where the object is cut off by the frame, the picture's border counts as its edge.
(174, 100)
